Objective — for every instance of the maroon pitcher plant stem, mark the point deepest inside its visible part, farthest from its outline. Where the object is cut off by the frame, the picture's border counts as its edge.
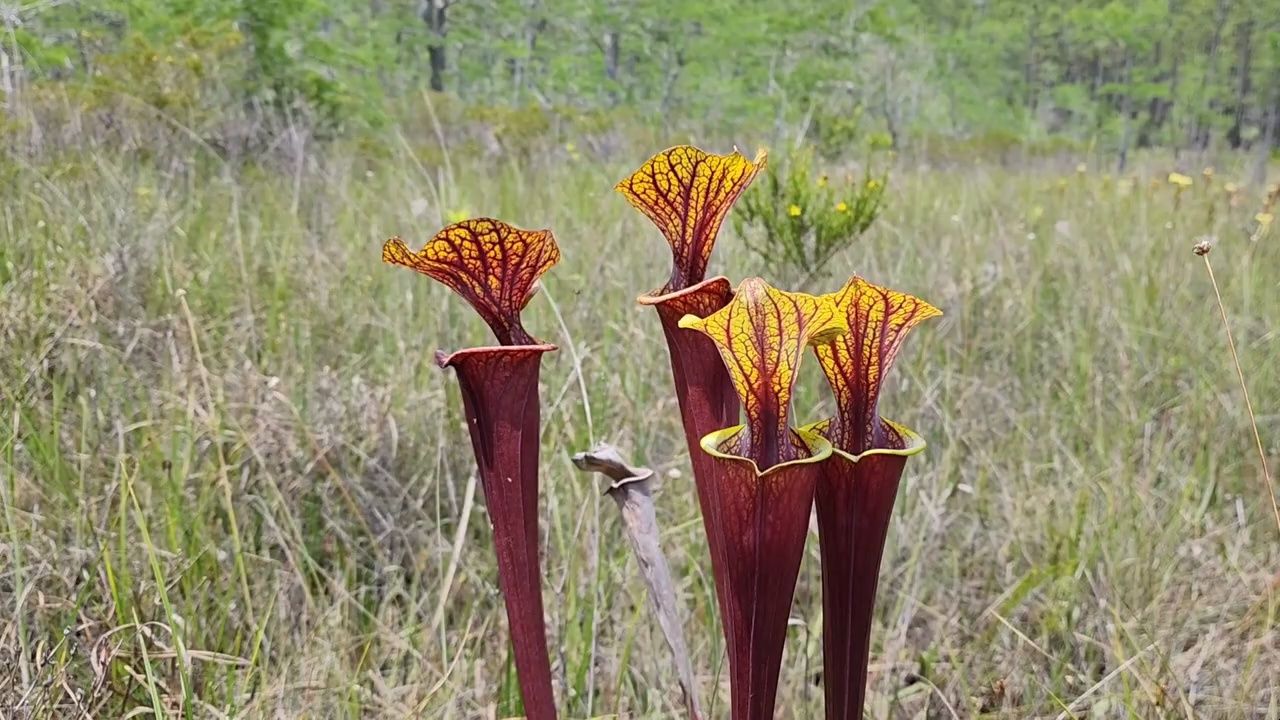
(760, 480)
(687, 193)
(705, 395)
(858, 485)
(495, 267)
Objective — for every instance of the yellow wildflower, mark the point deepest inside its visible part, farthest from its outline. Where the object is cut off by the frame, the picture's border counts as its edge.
(1207, 172)
(873, 184)
(842, 207)
(1231, 188)
(794, 210)
(822, 181)
(1264, 218)
(1082, 168)
(1179, 180)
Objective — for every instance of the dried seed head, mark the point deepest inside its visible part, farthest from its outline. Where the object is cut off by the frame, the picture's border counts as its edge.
(1203, 247)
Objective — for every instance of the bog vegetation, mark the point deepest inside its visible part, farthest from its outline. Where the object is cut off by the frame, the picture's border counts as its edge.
(234, 483)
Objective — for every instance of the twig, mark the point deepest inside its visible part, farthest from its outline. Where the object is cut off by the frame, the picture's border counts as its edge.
(630, 489)
(1202, 249)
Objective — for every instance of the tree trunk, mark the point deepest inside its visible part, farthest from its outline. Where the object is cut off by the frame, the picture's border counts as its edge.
(1126, 110)
(1244, 86)
(612, 51)
(669, 89)
(6, 76)
(527, 65)
(1030, 71)
(1270, 136)
(1149, 126)
(1200, 132)
(435, 13)
(1166, 109)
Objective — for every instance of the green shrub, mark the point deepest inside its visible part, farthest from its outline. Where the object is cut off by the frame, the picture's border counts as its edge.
(798, 219)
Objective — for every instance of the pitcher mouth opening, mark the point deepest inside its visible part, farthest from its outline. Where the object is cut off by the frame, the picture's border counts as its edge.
(449, 359)
(913, 443)
(819, 448)
(661, 296)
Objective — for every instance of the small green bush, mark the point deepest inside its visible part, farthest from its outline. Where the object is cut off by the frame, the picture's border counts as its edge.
(798, 218)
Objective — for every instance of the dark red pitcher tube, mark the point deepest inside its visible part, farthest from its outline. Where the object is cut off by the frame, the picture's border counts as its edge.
(857, 489)
(764, 521)
(854, 500)
(706, 396)
(500, 400)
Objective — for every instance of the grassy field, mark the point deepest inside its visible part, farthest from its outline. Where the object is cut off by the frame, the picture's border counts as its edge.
(234, 483)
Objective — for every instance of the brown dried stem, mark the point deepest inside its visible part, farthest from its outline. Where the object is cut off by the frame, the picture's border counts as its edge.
(631, 488)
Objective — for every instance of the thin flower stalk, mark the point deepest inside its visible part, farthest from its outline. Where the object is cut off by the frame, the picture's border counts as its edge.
(761, 479)
(858, 485)
(495, 267)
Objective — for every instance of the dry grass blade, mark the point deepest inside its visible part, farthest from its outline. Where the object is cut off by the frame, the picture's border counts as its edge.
(1075, 704)
(1083, 493)
(630, 488)
(459, 537)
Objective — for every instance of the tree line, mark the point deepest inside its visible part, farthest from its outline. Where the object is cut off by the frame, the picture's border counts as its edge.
(1184, 74)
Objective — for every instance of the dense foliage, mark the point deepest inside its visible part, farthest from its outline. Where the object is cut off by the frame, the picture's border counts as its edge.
(1111, 74)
